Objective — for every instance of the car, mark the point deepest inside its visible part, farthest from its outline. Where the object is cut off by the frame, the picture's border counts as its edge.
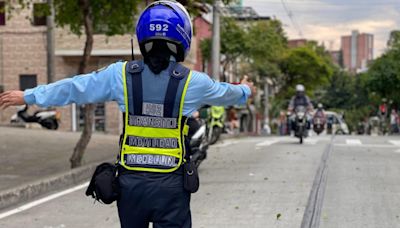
(339, 126)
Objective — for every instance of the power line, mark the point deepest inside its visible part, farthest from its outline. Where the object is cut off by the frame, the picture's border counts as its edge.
(291, 17)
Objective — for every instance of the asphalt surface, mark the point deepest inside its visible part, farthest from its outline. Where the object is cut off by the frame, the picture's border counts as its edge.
(265, 182)
(363, 188)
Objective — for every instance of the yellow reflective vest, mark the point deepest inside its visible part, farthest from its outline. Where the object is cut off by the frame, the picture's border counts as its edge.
(154, 127)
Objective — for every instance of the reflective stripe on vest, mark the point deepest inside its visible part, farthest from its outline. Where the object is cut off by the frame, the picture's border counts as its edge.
(154, 125)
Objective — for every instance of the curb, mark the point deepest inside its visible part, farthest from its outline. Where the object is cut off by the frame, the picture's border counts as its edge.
(35, 189)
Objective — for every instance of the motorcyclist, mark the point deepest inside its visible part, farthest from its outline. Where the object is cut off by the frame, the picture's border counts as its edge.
(300, 99)
(320, 113)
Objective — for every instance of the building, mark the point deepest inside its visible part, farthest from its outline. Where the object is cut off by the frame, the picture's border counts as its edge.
(23, 64)
(203, 31)
(357, 51)
(297, 43)
(336, 57)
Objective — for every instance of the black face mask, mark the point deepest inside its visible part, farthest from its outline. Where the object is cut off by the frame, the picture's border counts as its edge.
(158, 57)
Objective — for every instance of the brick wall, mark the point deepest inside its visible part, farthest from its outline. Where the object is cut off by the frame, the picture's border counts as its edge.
(23, 51)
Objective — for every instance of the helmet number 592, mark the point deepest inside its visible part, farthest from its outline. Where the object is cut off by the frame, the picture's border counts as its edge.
(159, 27)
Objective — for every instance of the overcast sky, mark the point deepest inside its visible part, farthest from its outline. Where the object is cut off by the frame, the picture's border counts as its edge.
(327, 20)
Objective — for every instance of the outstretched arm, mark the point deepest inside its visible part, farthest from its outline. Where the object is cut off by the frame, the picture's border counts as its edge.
(94, 87)
(205, 91)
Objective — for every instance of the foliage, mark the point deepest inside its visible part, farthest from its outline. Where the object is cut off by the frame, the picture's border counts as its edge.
(266, 45)
(384, 76)
(110, 17)
(261, 44)
(303, 65)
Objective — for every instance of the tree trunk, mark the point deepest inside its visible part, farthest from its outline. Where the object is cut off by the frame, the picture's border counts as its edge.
(80, 147)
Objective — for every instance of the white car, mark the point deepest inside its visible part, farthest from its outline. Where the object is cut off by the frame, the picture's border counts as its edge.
(339, 126)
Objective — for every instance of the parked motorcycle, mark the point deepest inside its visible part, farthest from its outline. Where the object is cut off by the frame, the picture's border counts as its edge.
(215, 123)
(301, 123)
(48, 119)
(198, 140)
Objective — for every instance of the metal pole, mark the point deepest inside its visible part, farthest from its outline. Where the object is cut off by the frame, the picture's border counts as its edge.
(216, 46)
(266, 128)
(50, 43)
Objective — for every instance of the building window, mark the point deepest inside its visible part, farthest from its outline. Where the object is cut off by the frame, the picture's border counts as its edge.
(27, 81)
(2, 13)
(99, 117)
(40, 11)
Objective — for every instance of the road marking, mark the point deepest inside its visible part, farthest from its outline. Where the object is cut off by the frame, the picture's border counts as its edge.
(353, 142)
(226, 143)
(311, 141)
(268, 142)
(395, 142)
(41, 201)
(366, 145)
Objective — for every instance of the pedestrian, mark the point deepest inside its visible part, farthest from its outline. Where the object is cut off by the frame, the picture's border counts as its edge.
(232, 119)
(393, 121)
(282, 123)
(156, 95)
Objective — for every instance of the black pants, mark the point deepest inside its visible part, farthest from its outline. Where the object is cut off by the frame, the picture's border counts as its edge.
(153, 197)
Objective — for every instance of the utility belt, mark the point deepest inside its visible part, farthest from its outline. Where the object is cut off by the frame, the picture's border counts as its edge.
(104, 185)
(187, 170)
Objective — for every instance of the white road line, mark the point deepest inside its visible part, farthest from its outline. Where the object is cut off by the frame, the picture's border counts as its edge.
(395, 142)
(41, 201)
(268, 142)
(226, 143)
(311, 141)
(353, 142)
(366, 145)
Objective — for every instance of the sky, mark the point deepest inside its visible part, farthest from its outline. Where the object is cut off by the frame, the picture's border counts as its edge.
(327, 20)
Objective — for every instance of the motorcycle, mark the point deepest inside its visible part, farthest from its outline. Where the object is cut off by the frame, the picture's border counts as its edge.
(301, 123)
(215, 123)
(198, 140)
(48, 119)
(318, 124)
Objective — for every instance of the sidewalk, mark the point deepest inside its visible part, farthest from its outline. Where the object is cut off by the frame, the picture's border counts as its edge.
(39, 159)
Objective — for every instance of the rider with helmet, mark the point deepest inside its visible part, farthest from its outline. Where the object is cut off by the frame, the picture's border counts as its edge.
(320, 112)
(156, 95)
(300, 99)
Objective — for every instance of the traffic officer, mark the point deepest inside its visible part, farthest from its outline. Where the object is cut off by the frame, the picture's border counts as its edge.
(156, 95)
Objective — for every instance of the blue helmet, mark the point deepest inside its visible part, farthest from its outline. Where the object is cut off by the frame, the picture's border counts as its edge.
(165, 20)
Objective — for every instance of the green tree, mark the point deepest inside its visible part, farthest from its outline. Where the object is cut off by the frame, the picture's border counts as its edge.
(233, 43)
(384, 76)
(304, 65)
(265, 48)
(394, 40)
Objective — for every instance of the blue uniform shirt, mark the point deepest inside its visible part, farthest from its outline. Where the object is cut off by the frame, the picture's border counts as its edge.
(107, 85)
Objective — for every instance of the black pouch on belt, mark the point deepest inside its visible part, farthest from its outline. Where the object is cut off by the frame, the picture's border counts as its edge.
(104, 185)
(191, 182)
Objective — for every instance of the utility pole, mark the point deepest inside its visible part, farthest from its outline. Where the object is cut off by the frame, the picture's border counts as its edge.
(50, 43)
(216, 45)
(266, 128)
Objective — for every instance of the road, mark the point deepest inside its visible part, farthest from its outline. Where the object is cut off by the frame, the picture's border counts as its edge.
(265, 182)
